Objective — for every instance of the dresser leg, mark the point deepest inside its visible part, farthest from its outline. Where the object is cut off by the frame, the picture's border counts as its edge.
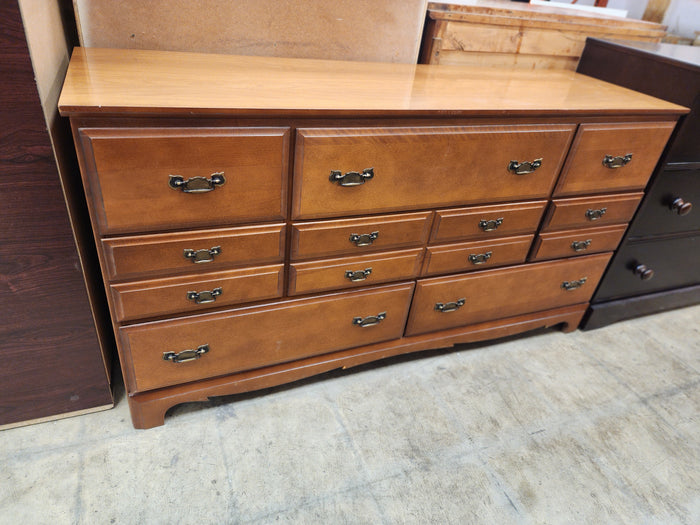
(148, 413)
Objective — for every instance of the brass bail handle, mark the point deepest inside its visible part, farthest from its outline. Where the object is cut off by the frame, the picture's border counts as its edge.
(372, 320)
(197, 184)
(594, 215)
(364, 239)
(480, 258)
(579, 246)
(573, 285)
(491, 224)
(206, 296)
(186, 355)
(444, 308)
(358, 275)
(523, 168)
(351, 178)
(612, 162)
(201, 256)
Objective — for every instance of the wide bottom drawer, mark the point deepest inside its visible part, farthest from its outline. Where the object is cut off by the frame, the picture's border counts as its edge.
(164, 353)
(448, 302)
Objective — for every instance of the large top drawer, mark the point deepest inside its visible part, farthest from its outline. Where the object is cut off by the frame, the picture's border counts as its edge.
(352, 171)
(149, 179)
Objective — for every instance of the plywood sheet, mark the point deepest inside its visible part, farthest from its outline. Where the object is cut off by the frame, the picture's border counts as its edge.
(371, 30)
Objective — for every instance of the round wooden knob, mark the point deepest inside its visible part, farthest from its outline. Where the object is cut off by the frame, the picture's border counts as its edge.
(681, 207)
(643, 272)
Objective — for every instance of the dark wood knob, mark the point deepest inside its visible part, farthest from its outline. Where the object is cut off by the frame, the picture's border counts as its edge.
(681, 207)
(643, 272)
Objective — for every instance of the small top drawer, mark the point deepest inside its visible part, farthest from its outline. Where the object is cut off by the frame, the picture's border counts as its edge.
(197, 251)
(613, 157)
(591, 211)
(481, 222)
(141, 179)
(352, 171)
(358, 236)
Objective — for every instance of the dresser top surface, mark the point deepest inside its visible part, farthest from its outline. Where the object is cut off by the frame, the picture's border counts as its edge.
(110, 81)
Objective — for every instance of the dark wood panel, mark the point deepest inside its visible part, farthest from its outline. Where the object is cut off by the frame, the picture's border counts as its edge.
(675, 262)
(48, 340)
(657, 214)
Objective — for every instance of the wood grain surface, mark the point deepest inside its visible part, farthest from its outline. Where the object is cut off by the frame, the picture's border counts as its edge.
(51, 356)
(104, 81)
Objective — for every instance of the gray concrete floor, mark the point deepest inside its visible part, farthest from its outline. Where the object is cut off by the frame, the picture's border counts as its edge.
(587, 428)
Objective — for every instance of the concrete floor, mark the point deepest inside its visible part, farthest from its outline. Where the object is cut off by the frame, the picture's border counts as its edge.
(586, 428)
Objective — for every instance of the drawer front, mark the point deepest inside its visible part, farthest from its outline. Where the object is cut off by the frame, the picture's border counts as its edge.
(129, 176)
(358, 236)
(481, 222)
(591, 211)
(672, 205)
(674, 262)
(569, 243)
(476, 255)
(143, 255)
(421, 167)
(352, 272)
(248, 338)
(585, 170)
(501, 293)
(156, 297)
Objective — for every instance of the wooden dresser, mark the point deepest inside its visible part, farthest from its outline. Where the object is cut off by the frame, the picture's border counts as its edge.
(261, 220)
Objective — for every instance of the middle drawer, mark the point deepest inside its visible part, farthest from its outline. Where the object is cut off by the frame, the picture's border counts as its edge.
(355, 171)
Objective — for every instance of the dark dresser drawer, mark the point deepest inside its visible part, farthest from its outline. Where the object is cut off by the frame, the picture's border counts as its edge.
(672, 205)
(674, 262)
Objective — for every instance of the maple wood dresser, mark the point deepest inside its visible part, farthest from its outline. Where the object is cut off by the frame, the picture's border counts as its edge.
(261, 220)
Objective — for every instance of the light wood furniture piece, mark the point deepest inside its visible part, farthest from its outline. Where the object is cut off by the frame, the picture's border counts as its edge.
(658, 264)
(261, 220)
(369, 30)
(504, 33)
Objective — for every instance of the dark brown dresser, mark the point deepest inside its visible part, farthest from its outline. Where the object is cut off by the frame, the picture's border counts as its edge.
(657, 266)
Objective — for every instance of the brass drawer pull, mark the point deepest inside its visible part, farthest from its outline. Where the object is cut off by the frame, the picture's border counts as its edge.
(202, 256)
(372, 320)
(185, 355)
(450, 307)
(480, 258)
(579, 246)
(197, 184)
(205, 296)
(351, 178)
(359, 275)
(523, 168)
(490, 225)
(573, 285)
(643, 272)
(681, 207)
(364, 239)
(594, 215)
(616, 162)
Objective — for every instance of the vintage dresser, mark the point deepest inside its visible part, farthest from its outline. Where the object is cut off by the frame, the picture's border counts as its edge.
(658, 264)
(261, 220)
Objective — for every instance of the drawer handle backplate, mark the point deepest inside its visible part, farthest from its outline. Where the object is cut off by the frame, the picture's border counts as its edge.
(616, 162)
(594, 215)
(372, 320)
(450, 307)
(573, 285)
(364, 239)
(523, 168)
(205, 296)
(359, 275)
(197, 184)
(351, 178)
(480, 258)
(202, 256)
(579, 246)
(490, 225)
(186, 355)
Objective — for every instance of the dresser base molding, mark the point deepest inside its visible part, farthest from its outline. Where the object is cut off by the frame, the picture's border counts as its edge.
(609, 312)
(148, 409)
